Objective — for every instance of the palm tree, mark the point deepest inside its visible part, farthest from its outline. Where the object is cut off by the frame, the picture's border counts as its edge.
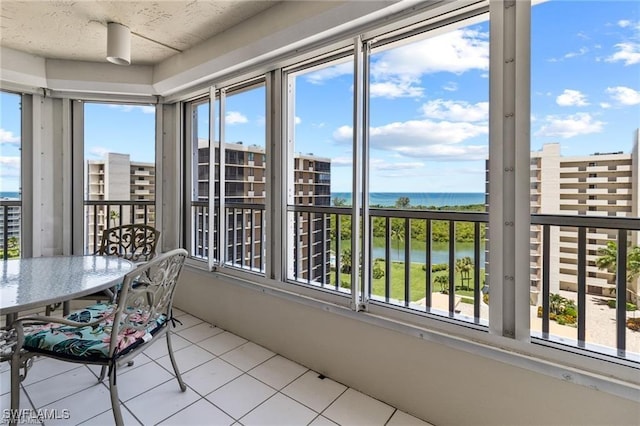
(397, 233)
(609, 257)
(339, 202)
(402, 202)
(114, 215)
(464, 266)
(443, 280)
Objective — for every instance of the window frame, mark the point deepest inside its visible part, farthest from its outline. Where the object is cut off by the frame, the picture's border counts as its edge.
(508, 334)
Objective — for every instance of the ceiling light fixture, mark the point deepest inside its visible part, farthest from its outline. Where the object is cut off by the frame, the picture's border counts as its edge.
(118, 44)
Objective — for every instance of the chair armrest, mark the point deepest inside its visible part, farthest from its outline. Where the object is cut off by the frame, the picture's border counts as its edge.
(39, 319)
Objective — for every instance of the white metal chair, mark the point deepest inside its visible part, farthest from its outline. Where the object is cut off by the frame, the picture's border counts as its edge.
(136, 242)
(106, 334)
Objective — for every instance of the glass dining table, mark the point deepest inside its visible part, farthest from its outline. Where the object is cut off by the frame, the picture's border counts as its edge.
(40, 281)
(34, 282)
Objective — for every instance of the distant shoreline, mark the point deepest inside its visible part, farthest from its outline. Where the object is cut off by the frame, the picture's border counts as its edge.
(427, 199)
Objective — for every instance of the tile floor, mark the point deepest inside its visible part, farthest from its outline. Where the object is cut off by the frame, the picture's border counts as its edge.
(231, 381)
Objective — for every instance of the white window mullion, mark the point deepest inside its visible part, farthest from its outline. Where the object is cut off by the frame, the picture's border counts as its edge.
(26, 175)
(211, 241)
(366, 224)
(356, 267)
(275, 204)
(77, 178)
(288, 226)
(509, 221)
(222, 215)
(522, 146)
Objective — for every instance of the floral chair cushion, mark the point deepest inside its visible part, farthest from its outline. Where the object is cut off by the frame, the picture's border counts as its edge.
(87, 343)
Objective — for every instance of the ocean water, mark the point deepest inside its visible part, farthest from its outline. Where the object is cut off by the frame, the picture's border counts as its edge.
(10, 195)
(426, 199)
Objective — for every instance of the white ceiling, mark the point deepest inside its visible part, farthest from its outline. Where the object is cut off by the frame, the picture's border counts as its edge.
(76, 30)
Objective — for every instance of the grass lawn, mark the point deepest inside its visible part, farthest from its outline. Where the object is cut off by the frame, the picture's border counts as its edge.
(417, 279)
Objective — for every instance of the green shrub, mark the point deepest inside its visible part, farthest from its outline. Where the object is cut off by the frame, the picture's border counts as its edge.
(630, 306)
(436, 267)
(378, 270)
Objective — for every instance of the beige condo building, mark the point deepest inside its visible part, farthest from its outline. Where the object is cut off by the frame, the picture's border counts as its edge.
(117, 178)
(600, 184)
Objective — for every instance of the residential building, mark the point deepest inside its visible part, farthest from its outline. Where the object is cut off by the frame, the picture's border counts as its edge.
(10, 220)
(601, 184)
(245, 191)
(117, 179)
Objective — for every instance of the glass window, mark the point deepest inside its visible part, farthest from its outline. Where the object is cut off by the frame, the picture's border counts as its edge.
(198, 132)
(119, 167)
(429, 112)
(585, 103)
(245, 185)
(319, 174)
(10, 183)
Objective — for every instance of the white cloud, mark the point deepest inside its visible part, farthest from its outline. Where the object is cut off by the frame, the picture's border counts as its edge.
(384, 165)
(624, 95)
(10, 166)
(456, 110)
(297, 120)
(569, 126)
(8, 137)
(579, 52)
(455, 51)
(341, 162)
(627, 52)
(425, 139)
(146, 109)
(234, 117)
(448, 152)
(451, 86)
(396, 72)
(389, 89)
(99, 151)
(321, 75)
(572, 98)
(605, 105)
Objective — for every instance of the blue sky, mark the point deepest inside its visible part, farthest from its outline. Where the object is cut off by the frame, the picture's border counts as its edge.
(429, 103)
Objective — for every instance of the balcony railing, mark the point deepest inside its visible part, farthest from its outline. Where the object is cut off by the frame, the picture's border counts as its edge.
(435, 263)
(103, 214)
(623, 288)
(245, 234)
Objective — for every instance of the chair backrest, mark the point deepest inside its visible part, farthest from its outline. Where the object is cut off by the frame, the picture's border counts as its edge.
(135, 242)
(145, 301)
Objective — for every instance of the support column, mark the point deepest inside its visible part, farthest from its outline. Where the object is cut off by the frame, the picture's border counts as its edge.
(509, 152)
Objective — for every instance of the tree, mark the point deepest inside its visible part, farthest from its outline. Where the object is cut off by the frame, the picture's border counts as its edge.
(339, 202)
(402, 202)
(345, 261)
(464, 266)
(443, 280)
(114, 215)
(609, 257)
(397, 233)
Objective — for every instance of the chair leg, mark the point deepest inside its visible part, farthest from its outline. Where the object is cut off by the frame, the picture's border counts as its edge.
(115, 402)
(103, 373)
(15, 388)
(183, 387)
